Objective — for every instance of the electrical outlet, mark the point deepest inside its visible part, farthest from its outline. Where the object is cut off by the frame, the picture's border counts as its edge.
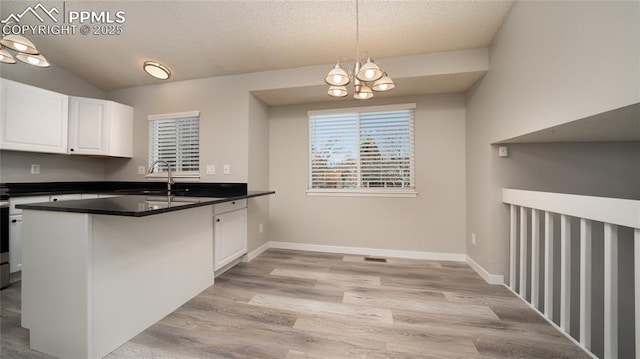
(503, 151)
(473, 239)
(211, 169)
(35, 169)
(227, 169)
(142, 170)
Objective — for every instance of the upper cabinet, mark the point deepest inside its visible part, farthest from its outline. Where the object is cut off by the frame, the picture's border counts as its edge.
(100, 127)
(37, 120)
(32, 119)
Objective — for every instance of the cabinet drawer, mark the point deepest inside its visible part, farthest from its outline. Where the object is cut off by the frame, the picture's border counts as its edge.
(229, 206)
(22, 200)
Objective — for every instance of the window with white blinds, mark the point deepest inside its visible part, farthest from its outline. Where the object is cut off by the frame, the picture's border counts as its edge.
(364, 150)
(175, 138)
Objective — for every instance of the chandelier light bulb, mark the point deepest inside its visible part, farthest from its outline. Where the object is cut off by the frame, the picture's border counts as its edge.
(33, 60)
(369, 74)
(19, 46)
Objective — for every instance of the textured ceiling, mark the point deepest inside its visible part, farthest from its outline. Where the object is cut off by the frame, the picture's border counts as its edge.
(197, 39)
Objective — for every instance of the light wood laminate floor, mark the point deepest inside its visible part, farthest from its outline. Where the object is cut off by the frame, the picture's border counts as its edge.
(293, 304)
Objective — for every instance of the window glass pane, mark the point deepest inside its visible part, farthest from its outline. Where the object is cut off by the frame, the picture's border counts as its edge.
(361, 150)
(175, 140)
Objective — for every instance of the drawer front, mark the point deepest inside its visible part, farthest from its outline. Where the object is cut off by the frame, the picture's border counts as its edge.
(229, 206)
(23, 200)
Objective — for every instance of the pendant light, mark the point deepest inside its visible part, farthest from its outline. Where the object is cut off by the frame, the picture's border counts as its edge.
(33, 59)
(338, 77)
(26, 51)
(19, 43)
(6, 57)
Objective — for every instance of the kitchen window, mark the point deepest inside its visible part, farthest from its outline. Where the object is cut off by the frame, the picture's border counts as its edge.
(175, 138)
(362, 151)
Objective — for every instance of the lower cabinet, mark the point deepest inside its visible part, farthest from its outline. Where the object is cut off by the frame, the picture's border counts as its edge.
(230, 232)
(15, 243)
(15, 229)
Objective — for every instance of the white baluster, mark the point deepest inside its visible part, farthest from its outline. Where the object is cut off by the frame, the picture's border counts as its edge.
(610, 291)
(512, 241)
(585, 283)
(565, 273)
(523, 252)
(548, 265)
(636, 264)
(535, 258)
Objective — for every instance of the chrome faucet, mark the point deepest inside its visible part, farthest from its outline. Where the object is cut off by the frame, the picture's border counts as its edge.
(169, 178)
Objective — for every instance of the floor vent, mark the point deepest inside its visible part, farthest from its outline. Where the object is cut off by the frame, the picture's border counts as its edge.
(374, 259)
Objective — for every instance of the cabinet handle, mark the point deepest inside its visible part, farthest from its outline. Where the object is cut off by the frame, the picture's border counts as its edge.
(55, 200)
(71, 149)
(14, 221)
(234, 202)
(217, 219)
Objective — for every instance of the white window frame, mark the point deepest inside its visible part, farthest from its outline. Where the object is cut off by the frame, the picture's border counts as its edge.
(372, 191)
(162, 175)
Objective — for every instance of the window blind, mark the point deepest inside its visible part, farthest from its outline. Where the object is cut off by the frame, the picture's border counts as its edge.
(362, 150)
(175, 139)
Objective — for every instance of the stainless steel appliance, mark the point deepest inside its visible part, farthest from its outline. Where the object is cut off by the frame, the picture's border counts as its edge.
(4, 240)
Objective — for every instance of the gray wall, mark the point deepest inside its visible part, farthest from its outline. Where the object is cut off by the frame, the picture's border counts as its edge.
(546, 69)
(258, 172)
(434, 221)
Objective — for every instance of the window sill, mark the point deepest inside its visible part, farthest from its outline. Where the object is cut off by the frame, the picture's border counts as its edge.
(363, 193)
(178, 177)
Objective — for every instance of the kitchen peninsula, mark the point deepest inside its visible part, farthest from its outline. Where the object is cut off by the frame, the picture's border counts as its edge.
(99, 271)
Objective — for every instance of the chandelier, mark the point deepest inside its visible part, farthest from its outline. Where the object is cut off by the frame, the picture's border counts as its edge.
(365, 78)
(26, 51)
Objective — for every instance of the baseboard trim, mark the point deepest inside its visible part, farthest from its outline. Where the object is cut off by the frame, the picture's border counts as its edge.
(493, 279)
(455, 257)
(258, 251)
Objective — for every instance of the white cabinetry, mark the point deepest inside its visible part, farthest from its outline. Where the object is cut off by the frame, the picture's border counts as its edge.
(100, 127)
(230, 232)
(15, 230)
(32, 119)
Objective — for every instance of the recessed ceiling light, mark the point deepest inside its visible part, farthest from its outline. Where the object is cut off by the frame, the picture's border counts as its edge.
(156, 70)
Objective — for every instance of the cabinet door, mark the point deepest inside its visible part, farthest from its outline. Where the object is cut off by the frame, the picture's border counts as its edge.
(120, 130)
(88, 126)
(15, 243)
(230, 237)
(32, 119)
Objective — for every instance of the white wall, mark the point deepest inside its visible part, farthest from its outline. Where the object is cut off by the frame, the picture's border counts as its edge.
(432, 222)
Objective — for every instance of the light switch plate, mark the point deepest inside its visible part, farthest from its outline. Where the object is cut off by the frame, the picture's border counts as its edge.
(227, 169)
(211, 169)
(35, 169)
(141, 170)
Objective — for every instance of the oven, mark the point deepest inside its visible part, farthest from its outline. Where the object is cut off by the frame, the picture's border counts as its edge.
(4, 240)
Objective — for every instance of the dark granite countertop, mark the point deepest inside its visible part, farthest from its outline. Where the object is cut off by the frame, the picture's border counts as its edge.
(140, 204)
(204, 189)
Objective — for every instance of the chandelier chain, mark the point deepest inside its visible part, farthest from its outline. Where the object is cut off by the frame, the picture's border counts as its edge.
(357, 34)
